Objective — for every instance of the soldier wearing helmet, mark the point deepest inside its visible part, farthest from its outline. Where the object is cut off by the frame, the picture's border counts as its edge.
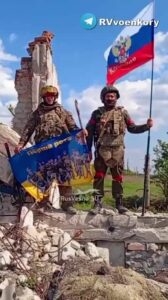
(106, 128)
(50, 119)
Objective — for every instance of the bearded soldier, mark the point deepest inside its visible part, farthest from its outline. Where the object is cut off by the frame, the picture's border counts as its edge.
(50, 119)
(106, 128)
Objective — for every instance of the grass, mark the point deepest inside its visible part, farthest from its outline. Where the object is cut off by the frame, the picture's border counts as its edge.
(133, 189)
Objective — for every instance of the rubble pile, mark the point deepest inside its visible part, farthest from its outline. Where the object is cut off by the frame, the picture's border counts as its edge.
(7, 135)
(29, 255)
(44, 262)
(90, 280)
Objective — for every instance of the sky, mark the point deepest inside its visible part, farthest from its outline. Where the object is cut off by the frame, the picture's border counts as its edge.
(79, 58)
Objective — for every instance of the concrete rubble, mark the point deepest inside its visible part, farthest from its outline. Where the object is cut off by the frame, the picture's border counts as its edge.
(31, 253)
(7, 135)
(95, 280)
(34, 252)
(57, 256)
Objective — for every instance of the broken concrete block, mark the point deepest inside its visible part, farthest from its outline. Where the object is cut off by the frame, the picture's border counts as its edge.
(81, 253)
(91, 250)
(104, 253)
(68, 252)
(26, 294)
(55, 239)
(152, 247)
(31, 233)
(7, 289)
(26, 217)
(22, 263)
(22, 278)
(53, 254)
(47, 247)
(75, 245)
(5, 258)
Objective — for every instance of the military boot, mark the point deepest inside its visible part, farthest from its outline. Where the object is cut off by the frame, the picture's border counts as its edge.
(97, 206)
(71, 210)
(67, 207)
(119, 205)
(95, 210)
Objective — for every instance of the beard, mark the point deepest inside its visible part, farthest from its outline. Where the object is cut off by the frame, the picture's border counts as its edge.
(109, 103)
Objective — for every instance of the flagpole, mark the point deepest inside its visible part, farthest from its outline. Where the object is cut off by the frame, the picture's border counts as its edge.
(147, 156)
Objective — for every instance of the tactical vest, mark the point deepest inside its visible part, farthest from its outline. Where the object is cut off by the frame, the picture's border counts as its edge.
(110, 127)
(50, 123)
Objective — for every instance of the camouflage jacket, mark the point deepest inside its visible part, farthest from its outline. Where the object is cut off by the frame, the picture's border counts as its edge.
(47, 122)
(107, 128)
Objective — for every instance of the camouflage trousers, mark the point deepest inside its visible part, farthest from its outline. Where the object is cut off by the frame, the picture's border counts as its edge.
(113, 158)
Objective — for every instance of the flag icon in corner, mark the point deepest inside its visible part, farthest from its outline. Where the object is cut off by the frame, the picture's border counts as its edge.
(88, 21)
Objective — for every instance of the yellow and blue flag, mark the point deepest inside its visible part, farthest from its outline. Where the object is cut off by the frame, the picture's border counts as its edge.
(64, 158)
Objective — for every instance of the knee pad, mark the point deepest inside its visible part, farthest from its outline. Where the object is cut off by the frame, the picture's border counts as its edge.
(118, 178)
(100, 174)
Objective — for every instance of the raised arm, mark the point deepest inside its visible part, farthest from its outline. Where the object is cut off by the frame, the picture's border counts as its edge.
(133, 128)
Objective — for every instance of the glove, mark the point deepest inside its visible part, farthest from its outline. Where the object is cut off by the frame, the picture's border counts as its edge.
(149, 123)
(18, 148)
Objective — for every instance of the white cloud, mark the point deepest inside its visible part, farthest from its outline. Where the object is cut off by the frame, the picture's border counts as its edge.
(8, 93)
(6, 83)
(161, 53)
(12, 37)
(161, 41)
(6, 56)
(5, 115)
(160, 61)
(135, 97)
(88, 100)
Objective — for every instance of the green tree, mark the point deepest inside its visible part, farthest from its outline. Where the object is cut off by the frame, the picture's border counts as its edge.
(161, 166)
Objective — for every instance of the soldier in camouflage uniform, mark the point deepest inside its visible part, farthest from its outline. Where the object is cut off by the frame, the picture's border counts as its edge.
(106, 128)
(50, 119)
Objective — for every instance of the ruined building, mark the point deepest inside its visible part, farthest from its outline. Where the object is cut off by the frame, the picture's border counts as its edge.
(36, 71)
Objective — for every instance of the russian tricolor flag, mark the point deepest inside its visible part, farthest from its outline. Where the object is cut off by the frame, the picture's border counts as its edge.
(133, 47)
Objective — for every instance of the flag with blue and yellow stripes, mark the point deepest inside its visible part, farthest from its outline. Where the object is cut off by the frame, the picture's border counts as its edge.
(64, 158)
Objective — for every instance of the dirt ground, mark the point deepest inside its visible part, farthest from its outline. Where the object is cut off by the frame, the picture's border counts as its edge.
(90, 280)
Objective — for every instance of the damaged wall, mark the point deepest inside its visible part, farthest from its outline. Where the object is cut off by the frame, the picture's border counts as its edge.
(36, 71)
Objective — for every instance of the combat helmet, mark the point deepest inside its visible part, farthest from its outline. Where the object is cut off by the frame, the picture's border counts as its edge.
(49, 90)
(109, 89)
